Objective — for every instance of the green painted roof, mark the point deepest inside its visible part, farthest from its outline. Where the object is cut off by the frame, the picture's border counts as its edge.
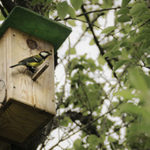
(36, 25)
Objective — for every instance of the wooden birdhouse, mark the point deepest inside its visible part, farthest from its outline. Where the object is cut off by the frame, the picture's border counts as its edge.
(27, 97)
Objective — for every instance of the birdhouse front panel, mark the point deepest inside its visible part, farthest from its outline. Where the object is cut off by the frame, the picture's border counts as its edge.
(28, 103)
(20, 86)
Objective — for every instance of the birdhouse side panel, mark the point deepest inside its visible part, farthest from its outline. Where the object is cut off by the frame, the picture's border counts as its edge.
(3, 70)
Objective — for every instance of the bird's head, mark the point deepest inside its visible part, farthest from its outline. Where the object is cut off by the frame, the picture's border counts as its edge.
(45, 54)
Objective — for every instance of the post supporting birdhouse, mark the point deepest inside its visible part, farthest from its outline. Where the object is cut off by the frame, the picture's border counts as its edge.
(27, 99)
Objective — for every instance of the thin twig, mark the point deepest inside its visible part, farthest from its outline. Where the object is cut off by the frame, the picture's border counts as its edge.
(85, 126)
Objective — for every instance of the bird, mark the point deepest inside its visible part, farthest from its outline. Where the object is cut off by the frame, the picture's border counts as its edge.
(34, 61)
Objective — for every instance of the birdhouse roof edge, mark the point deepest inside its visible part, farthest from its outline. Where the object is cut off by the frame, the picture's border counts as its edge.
(36, 25)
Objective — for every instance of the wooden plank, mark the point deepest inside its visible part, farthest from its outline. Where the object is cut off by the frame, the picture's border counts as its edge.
(40, 71)
(19, 121)
(4, 146)
(3, 69)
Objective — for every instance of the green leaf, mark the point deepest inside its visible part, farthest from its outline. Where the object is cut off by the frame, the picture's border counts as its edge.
(93, 140)
(111, 139)
(139, 37)
(123, 11)
(109, 45)
(72, 23)
(137, 79)
(65, 121)
(84, 26)
(127, 94)
(94, 1)
(71, 12)
(112, 54)
(1, 17)
(115, 53)
(76, 3)
(101, 60)
(91, 64)
(92, 42)
(125, 3)
(130, 108)
(72, 51)
(107, 3)
(119, 64)
(109, 29)
(64, 9)
(78, 145)
(148, 60)
(124, 18)
(138, 9)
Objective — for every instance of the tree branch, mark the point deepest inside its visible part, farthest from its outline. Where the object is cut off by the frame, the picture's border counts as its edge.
(97, 11)
(96, 40)
(83, 127)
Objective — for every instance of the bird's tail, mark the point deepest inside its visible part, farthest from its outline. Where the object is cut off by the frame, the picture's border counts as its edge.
(14, 65)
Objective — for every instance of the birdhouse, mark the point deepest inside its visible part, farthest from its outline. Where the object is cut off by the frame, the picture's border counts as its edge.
(27, 96)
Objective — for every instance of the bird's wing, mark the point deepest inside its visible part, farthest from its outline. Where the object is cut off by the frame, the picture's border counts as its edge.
(35, 58)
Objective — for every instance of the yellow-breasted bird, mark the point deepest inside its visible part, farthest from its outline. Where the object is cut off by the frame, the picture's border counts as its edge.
(34, 61)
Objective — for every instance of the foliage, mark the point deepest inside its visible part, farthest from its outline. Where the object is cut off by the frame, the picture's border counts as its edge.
(109, 111)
